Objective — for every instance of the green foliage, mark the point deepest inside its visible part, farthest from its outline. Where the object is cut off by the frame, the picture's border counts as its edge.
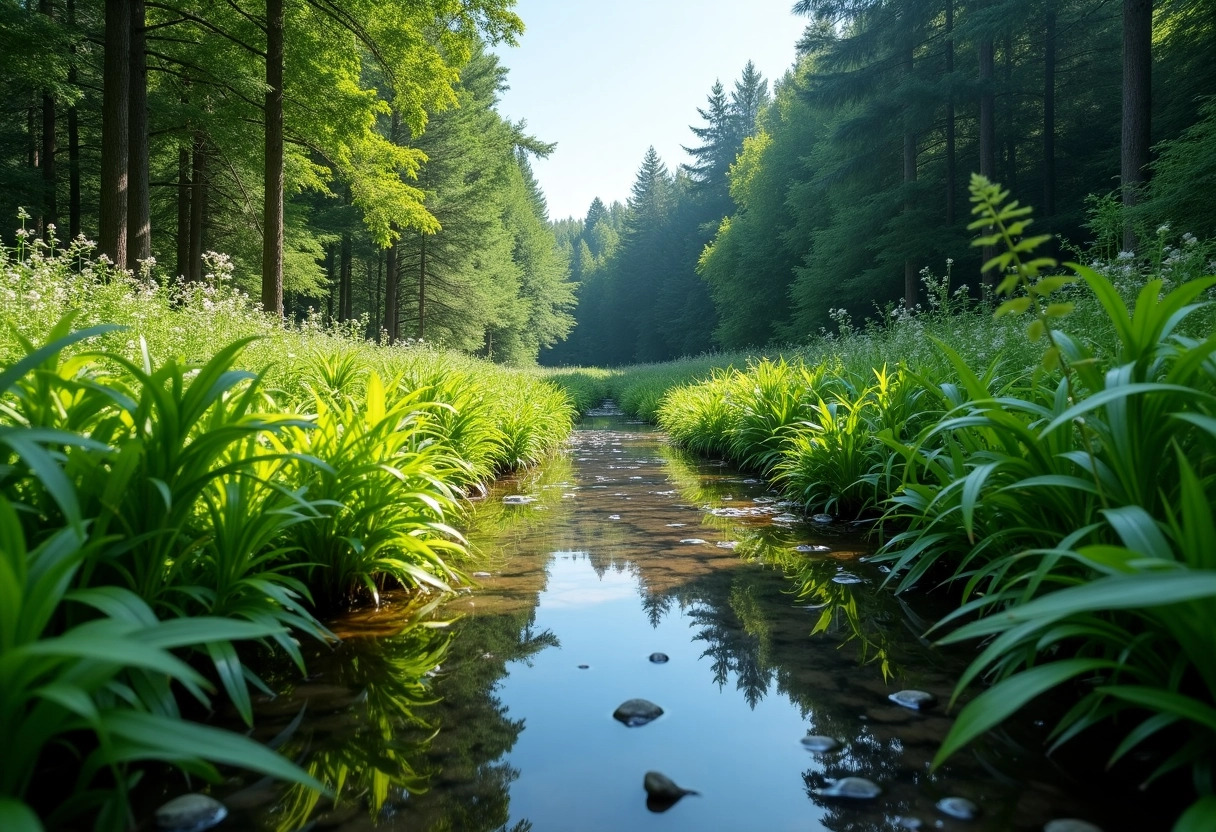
(1066, 488)
(155, 512)
(82, 658)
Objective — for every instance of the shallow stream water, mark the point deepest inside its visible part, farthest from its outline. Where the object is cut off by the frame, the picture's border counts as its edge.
(493, 711)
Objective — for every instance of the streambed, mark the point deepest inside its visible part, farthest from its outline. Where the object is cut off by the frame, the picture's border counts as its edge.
(494, 710)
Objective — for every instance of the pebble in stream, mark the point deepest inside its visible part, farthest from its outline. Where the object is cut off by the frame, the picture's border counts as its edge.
(662, 792)
(820, 744)
(847, 578)
(917, 700)
(693, 541)
(958, 807)
(517, 500)
(811, 547)
(635, 712)
(1070, 825)
(822, 518)
(190, 813)
(658, 658)
(850, 788)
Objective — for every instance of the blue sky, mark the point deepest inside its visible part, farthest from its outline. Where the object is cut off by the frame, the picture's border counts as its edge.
(605, 80)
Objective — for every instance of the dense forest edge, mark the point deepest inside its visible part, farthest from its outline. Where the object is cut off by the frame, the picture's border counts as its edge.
(216, 450)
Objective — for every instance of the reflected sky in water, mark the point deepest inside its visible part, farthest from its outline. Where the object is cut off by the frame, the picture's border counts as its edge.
(577, 762)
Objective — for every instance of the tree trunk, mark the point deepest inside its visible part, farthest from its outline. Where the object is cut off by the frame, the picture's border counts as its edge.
(951, 164)
(331, 284)
(391, 279)
(987, 136)
(421, 286)
(50, 207)
(345, 290)
(910, 282)
(1137, 105)
(1049, 111)
(373, 295)
(198, 207)
(139, 222)
(272, 221)
(115, 107)
(1011, 146)
(50, 203)
(183, 211)
(73, 141)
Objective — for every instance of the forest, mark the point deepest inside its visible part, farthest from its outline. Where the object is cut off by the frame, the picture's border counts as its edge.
(837, 190)
(283, 300)
(380, 184)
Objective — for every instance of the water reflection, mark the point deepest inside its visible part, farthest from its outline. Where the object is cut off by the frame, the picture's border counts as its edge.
(513, 730)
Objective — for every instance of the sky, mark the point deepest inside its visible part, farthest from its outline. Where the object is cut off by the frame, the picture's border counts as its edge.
(605, 80)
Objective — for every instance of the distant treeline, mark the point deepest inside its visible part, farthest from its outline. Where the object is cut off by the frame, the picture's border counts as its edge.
(837, 192)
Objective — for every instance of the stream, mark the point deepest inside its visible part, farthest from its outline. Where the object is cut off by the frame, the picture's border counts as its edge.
(494, 710)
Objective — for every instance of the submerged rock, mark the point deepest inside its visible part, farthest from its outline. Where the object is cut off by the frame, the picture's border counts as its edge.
(727, 544)
(190, 813)
(481, 575)
(809, 547)
(1070, 825)
(822, 518)
(693, 541)
(785, 518)
(820, 744)
(958, 807)
(917, 700)
(518, 500)
(662, 792)
(635, 712)
(847, 578)
(658, 658)
(909, 822)
(850, 788)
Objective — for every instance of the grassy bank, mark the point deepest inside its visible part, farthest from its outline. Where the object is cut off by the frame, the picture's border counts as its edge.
(182, 475)
(1056, 464)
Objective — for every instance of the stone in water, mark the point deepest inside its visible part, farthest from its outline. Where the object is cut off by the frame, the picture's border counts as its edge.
(820, 744)
(917, 700)
(958, 807)
(1070, 825)
(847, 578)
(662, 792)
(693, 540)
(635, 712)
(785, 518)
(822, 518)
(190, 813)
(658, 658)
(481, 574)
(727, 544)
(807, 547)
(518, 500)
(850, 788)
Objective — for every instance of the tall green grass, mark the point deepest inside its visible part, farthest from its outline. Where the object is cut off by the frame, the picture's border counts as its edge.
(180, 474)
